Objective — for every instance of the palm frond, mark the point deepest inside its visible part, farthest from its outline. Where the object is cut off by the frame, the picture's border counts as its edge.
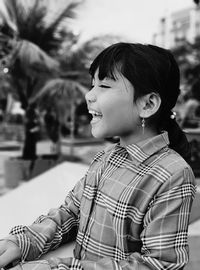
(30, 22)
(68, 13)
(16, 12)
(7, 42)
(34, 23)
(62, 96)
(34, 58)
(7, 27)
(62, 89)
(52, 29)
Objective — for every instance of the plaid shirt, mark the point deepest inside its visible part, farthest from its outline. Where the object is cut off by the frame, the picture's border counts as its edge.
(130, 211)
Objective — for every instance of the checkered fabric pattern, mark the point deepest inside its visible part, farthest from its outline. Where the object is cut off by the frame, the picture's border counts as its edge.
(130, 211)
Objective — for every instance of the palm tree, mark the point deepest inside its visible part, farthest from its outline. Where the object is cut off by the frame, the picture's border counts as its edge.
(63, 95)
(32, 42)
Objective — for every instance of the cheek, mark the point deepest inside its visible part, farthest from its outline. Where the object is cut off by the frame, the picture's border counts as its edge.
(121, 110)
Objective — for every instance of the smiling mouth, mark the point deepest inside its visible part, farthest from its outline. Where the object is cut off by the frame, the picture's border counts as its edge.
(96, 116)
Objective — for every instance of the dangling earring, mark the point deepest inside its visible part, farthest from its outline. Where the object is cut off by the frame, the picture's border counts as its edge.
(143, 125)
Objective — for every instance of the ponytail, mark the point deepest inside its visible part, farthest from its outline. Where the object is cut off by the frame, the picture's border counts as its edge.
(177, 138)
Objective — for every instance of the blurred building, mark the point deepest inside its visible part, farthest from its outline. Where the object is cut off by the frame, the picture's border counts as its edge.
(176, 28)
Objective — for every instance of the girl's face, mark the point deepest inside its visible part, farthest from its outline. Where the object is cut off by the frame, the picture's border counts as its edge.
(114, 112)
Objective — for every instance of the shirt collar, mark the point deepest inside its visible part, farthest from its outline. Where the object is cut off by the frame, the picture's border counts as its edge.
(142, 150)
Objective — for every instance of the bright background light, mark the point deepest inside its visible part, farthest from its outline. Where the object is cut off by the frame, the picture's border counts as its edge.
(136, 19)
(5, 70)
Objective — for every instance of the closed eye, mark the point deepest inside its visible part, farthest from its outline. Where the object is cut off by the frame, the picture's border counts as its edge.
(104, 86)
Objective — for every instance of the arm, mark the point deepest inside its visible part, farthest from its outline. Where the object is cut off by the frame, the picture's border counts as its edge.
(48, 232)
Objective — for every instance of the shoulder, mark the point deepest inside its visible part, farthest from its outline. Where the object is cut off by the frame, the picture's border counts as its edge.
(174, 161)
(176, 168)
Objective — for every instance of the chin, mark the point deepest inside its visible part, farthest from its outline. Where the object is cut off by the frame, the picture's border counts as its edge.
(101, 133)
(98, 135)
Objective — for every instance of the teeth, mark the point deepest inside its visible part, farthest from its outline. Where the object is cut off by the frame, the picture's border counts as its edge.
(95, 113)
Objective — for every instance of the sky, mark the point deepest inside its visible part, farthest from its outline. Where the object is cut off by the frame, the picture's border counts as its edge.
(135, 19)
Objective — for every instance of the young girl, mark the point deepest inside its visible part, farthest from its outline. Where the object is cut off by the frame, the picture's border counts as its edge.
(131, 209)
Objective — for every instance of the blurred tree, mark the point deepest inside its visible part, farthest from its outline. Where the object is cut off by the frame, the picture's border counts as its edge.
(188, 58)
(30, 41)
(60, 98)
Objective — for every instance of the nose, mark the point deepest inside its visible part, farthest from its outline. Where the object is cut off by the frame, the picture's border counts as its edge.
(90, 96)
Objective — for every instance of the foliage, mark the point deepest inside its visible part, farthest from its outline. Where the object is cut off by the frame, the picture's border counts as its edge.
(34, 44)
(60, 97)
(188, 58)
(61, 94)
(30, 43)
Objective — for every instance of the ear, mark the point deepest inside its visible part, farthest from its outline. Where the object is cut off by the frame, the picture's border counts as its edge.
(148, 105)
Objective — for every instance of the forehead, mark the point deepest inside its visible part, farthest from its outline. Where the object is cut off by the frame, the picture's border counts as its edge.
(119, 81)
(114, 77)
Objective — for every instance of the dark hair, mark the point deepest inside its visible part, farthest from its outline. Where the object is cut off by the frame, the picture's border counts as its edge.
(150, 69)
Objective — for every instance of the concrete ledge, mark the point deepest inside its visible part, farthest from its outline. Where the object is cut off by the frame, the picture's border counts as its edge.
(9, 146)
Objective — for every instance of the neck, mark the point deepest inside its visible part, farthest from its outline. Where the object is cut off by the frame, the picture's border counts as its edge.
(136, 138)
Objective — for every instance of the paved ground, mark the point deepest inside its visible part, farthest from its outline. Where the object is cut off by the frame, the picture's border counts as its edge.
(8, 149)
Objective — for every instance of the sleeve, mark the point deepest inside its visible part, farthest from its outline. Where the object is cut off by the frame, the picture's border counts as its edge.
(49, 231)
